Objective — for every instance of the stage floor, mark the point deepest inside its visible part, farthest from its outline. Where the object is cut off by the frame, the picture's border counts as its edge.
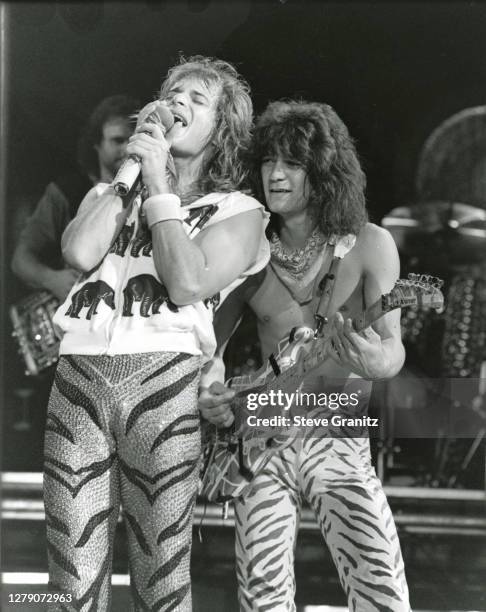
(442, 533)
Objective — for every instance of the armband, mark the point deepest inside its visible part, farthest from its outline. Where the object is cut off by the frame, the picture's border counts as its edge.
(162, 207)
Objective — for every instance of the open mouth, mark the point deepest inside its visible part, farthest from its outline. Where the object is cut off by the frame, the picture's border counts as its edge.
(179, 119)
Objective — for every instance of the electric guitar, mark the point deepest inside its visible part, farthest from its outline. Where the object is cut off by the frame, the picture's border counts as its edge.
(33, 329)
(233, 456)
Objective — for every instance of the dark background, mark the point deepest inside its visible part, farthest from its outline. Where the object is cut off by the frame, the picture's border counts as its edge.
(393, 71)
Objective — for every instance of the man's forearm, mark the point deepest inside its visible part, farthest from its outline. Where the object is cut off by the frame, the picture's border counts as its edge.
(30, 270)
(394, 352)
(180, 262)
(213, 371)
(196, 269)
(90, 234)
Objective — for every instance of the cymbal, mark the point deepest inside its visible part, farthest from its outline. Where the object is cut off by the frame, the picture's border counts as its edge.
(450, 230)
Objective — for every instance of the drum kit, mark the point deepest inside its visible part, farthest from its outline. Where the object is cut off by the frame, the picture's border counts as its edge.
(447, 239)
(451, 232)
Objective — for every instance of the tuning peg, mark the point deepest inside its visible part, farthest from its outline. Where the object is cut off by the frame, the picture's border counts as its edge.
(413, 277)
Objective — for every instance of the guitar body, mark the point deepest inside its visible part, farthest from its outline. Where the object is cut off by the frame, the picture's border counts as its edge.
(233, 456)
(230, 463)
(34, 331)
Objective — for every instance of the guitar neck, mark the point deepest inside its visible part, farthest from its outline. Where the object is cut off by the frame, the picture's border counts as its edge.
(369, 316)
(422, 291)
(318, 352)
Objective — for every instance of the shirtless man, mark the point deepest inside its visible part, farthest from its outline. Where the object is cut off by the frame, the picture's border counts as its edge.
(309, 174)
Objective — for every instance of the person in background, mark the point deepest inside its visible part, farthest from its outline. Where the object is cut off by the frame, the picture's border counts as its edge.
(37, 259)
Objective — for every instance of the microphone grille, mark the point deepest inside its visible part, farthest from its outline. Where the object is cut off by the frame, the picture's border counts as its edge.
(163, 116)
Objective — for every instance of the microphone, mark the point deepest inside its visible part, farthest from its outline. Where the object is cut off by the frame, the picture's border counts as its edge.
(130, 169)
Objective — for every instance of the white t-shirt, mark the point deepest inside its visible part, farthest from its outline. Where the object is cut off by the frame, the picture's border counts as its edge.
(122, 307)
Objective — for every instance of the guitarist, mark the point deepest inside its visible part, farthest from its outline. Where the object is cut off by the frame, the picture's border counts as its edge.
(37, 259)
(307, 169)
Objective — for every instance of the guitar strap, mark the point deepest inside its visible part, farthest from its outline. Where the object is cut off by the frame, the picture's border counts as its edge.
(341, 246)
(326, 289)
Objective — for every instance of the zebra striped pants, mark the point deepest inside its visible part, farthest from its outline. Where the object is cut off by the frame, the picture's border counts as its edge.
(122, 429)
(336, 478)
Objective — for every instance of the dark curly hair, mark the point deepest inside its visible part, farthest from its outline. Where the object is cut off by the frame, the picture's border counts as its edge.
(113, 107)
(225, 170)
(312, 134)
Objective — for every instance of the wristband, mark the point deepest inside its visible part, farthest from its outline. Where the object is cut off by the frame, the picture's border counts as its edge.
(162, 208)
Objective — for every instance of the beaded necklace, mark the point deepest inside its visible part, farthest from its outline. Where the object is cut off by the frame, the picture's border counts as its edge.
(298, 268)
(297, 260)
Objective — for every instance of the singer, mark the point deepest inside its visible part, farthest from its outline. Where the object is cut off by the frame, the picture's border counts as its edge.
(123, 425)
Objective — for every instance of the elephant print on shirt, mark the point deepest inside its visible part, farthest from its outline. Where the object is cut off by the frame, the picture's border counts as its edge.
(90, 295)
(151, 294)
(122, 241)
(142, 243)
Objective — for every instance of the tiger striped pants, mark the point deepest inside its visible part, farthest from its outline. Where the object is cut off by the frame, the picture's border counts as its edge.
(336, 478)
(122, 429)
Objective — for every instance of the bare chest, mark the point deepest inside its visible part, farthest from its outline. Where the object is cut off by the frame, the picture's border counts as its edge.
(277, 310)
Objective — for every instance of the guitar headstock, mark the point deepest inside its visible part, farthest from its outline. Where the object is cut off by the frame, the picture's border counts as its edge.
(419, 290)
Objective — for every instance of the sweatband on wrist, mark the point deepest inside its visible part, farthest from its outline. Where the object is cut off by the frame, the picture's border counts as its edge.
(162, 207)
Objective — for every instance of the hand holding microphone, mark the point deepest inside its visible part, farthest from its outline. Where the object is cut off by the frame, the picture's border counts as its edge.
(155, 113)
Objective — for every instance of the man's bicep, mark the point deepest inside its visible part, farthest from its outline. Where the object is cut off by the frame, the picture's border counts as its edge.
(382, 270)
(230, 248)
(381, 262)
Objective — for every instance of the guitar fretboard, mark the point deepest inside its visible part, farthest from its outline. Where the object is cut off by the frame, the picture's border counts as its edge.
(318, 352)
(369, 316)
(316, 356)
(293, 362)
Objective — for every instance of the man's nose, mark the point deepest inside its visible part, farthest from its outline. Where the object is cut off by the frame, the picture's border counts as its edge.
(180, 98)
(277, 171)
